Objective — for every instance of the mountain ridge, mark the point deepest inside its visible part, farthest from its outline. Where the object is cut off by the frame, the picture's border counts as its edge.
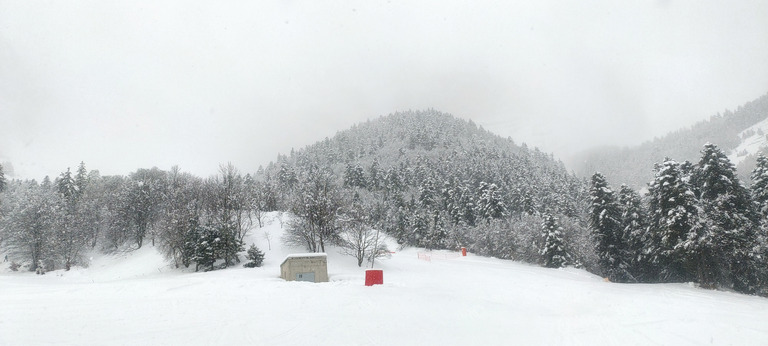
(634, 165)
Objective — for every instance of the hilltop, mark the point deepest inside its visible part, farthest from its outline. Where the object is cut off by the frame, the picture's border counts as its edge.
(430, 179)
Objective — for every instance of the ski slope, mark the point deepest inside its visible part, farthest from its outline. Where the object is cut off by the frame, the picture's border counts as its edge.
(752, 144)
(137, 299)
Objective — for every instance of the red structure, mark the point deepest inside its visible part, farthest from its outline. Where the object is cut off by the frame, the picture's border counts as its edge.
(463, 251)
(374, 277)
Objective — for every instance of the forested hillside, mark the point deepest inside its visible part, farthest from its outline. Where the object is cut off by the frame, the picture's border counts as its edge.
(435, 181)
(633, 166)
(424, 178)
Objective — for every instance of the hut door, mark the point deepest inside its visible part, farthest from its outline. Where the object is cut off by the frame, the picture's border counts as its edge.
(305, 277)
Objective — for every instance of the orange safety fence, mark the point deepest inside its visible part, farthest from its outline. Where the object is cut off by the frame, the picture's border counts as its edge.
(428, 256)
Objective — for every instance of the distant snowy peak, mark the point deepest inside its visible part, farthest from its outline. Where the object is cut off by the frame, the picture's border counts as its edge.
(753, 140)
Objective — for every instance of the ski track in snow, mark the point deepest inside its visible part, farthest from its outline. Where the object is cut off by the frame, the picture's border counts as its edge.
(138, 299)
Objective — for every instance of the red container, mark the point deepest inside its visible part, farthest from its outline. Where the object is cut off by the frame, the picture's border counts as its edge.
(463, 251)
(374, 277)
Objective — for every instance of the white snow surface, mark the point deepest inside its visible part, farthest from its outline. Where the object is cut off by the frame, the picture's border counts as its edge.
(751, 144)
(136, 298)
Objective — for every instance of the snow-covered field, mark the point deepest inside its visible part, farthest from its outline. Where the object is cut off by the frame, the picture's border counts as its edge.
(137, 299)
(751, 144)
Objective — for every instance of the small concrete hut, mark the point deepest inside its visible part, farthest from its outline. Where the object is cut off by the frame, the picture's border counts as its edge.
(312, 267)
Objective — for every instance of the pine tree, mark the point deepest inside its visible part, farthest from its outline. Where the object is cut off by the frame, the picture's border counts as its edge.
(66, 185)
(255, 256)
(634, 232)
(374, 181)
(759, 192)
(490, 205)
(419, 230)
(553, 252)
(605, 223)
(428, 195)
(2, 179)
(70, 223)
(354, 176)
(205, 247)
(672, 215)
(760, 185)
(393, 181)
(190, 247)
(81, 180)
(437, 236)
(720, 250)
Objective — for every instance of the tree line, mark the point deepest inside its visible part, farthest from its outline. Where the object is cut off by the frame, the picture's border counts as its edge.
(425, 179)
(52, 224)
(698, 223)
(630, 165)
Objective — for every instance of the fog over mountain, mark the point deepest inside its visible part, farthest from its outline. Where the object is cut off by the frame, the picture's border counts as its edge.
(739, 132)
(122, 85)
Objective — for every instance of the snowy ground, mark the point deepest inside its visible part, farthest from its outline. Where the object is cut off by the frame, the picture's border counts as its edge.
(750, 145)
(137, 299)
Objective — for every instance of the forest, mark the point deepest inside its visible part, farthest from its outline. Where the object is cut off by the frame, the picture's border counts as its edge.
(633, 165)
(424, 178)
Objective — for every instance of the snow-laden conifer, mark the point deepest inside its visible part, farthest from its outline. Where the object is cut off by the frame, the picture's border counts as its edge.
(553, 253)
(634, 233)
(605, 224)
(672, 215)
(720, 249)
(759, 187)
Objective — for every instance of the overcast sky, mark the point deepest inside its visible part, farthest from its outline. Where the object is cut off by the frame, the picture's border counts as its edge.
(133, 84)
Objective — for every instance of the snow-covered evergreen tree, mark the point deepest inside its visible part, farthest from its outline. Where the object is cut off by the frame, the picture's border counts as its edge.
(375, 176)
(254, 256)
(81, 179)
(605, 223)
(634, 233)
(720, 249)
(206, 245)
(3, 183)
(354, 176)
(490, 205)
(673, 214)
(66, 185)
(71, 222)
(420, 230)
(759, 187)
(428, 194)
(437, 234)
(759, 190)
(553, 252)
